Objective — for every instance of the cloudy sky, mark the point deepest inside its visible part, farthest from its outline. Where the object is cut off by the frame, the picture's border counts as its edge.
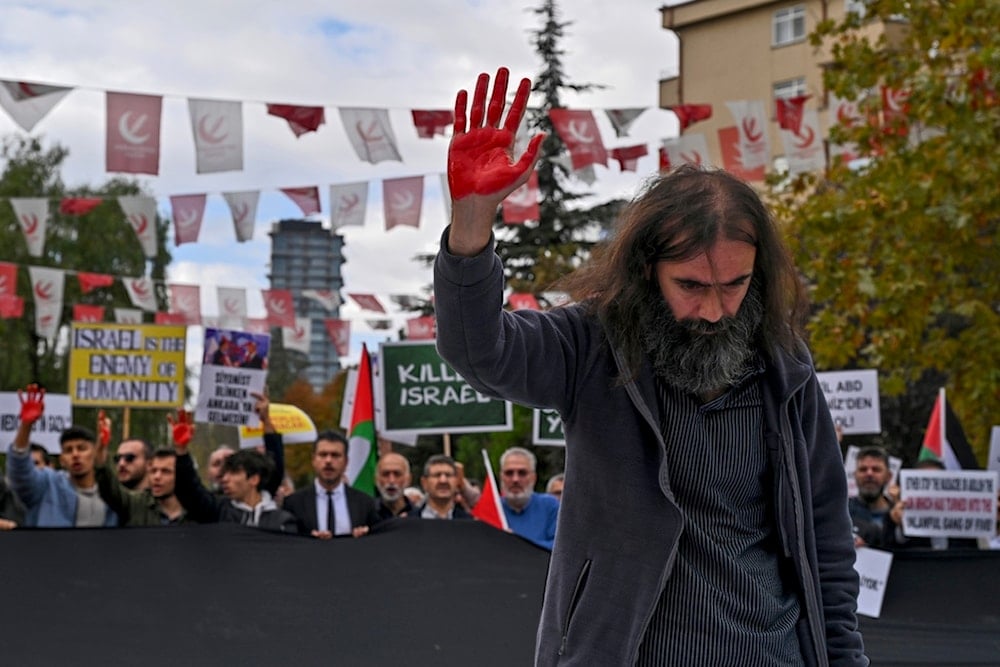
(392, 54)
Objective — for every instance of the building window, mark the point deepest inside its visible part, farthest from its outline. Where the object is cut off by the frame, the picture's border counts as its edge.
(855, 7)
(791, 88)
(789, 25)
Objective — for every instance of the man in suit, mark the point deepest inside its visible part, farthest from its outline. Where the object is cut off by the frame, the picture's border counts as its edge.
(328, 506)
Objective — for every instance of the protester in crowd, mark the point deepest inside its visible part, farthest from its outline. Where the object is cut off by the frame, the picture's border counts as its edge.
(243, 473)
(56, 498)
(329, 507)
(132, 461)
(154, 505)
(273, 446)
(868, 510)
(392, 476)
(685, 389)
(40, 456)
(554, 487)
(529, 514)
(440, 483)
(215, 461)
(11, 509)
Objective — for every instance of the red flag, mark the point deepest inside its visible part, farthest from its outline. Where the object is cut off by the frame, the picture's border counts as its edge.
(664, 160)
(8, 278)
(521, 205)
(11, 306)
(945, 441)
(91, 281)
(578, 130)
(169, 318)
(429, 123)
(367, 302)
(280, 307)
(402, 200)
(339, 332)
(189, 210)
(307, 198)
(83, 312)
(363, 443)
(688, 114)
(420, 328)
(895, 110)
(185, 301)
(300, 119)
(732, 160)
(523, 301)
(628, 156)
(79, 205)
(489, 509)
(132, 142)
(788, 111)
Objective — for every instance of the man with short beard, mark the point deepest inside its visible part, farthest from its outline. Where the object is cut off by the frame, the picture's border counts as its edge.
(155, 505)
(132, 462)
(706, 522)
(392, 476)
(868, 511)
(530, 515)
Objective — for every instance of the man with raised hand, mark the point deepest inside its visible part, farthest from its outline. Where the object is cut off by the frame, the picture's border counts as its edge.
(690, 406)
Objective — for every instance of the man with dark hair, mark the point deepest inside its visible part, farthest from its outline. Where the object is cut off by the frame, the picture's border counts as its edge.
(244, 474)
(132, 461)
(440, 484)
(690, 405)
(40, 456)
(64, 498)
(156, 504)
(868, 510)
(328, 506)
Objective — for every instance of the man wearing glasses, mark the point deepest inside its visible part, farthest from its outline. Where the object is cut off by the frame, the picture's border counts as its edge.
(132, 463)
(530, 515)
(440, 481)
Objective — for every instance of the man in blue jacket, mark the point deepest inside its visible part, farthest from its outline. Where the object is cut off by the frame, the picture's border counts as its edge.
(64, 498)
(705, 519)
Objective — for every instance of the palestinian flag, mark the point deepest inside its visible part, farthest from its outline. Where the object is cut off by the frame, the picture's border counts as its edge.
(489, 509)
(945, 440)
(362, 438)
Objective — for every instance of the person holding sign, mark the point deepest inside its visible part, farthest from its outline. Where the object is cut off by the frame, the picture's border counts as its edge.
(690, 405)
(64, 498)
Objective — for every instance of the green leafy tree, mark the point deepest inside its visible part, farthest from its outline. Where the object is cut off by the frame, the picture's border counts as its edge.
(901, 254)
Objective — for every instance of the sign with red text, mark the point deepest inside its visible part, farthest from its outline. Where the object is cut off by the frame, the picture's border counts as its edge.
(949, 503)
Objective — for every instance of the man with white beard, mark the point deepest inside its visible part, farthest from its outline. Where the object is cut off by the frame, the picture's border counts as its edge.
(705, 519)
(529, 514)
(392, 476)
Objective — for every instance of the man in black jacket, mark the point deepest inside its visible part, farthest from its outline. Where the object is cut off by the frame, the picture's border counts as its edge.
(328, 506)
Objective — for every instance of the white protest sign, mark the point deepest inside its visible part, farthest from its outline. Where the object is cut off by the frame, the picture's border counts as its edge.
(852, 397)
(994, 461)
(851, 465)
(45, 432)
(234, 368)
(547, 428)
(872, 566)
(949, 503)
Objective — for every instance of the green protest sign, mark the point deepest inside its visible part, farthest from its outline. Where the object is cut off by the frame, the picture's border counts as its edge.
(421, 393)
(547, 428)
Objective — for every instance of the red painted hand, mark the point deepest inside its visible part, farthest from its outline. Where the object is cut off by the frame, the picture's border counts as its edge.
(480, 157)
(103, 428)
(32, 403)
(182, 430)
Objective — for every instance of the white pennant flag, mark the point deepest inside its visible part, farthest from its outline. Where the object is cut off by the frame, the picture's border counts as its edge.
(329, 299)
(232, 307)
(128, 316)
(751, 124)
(27, 103)
(371, 134)
(140, 211)
(243, 206)
(804, 149)
(32, 216)
(687, 149)
(297, 337)
(47, 286)
(141, 292)
(218, 135)
(348, 203)
(622, 119)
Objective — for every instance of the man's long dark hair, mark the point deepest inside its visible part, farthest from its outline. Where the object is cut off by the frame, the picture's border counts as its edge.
(677, 217)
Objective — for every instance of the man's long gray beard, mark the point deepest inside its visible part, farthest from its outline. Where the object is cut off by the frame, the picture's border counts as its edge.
(701, 357)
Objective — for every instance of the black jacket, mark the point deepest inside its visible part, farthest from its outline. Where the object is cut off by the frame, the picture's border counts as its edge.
(302, 505)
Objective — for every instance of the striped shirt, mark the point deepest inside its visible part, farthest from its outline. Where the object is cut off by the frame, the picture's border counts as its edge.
(725, 602)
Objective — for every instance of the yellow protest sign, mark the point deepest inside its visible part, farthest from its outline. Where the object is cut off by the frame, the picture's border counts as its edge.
(290, 421)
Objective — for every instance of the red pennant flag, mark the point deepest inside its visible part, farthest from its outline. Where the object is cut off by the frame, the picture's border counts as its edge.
(628, 156)
(688, 114)
(521, 205)
(421, 328)
(300, 119)
(91, 281)
(8, 279)
(79, 205)
(664, 160)
(429, 123)
(732, 161)
(185, 301)
(280, 307)
(788, 111)
(83, 312)
(189, 210)
(307, 198)
(132, 142)
(578, 130)
(402, 199)
(11, 307)
(367, 302)
(339, 332)
(895, 110)
(489, 509)
(523, 301)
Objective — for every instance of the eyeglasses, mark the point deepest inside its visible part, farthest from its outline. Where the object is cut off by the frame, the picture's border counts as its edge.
(129, 458)
(516, 472)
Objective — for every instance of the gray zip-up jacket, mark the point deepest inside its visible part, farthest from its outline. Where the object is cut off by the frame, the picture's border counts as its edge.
(619, 526)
